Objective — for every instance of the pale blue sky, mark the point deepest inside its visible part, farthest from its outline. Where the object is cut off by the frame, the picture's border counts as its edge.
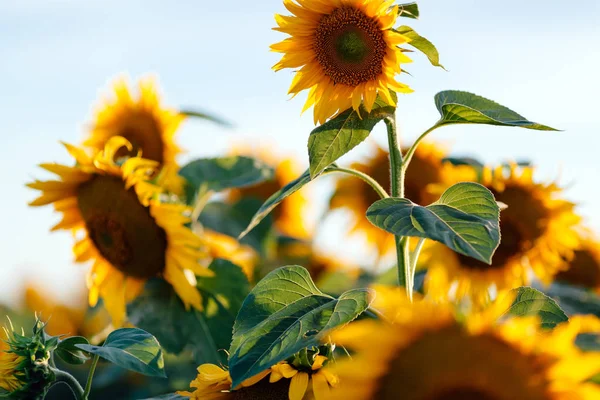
(539, 57)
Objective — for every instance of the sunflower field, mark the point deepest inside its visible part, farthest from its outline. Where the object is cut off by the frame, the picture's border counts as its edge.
(207, 279)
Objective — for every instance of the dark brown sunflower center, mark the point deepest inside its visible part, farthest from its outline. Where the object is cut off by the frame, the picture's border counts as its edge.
(350, 46)
(143, 132)
(263, 390)
(451, 364)
(121, 228)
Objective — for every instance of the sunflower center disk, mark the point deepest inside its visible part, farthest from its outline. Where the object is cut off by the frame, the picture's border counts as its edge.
(350, 47)
(142, 131)
(121, 228)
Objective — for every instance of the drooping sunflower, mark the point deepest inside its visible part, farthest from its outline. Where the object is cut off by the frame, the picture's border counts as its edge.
(285, 382)
(538, 234)
(346, 51)
(584, 268)
(427, 168)
(129, 227)
(140, 118)
(426, 351)
(289, 216)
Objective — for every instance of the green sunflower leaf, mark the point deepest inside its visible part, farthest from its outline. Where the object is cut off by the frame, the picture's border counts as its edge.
(283, 314)
(465, 218)
(408, 10)
(221, 173)
(458, 107)
(69, 353)
(206, 116)
(532, 302)
(423, 45)
(133, 349)
(330, 141)
(276, 199)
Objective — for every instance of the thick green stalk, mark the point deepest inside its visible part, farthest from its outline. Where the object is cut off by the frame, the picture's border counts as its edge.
(397, 178)
(70, 381)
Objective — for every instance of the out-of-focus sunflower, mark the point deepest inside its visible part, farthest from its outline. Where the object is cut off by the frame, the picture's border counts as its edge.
(140, 118)
(289, 216)
(285, 382)
(73, 320)
(538, 235)
(584, 268)
(228, 248)
(428, 351)
(346, 52)
(11, 380)
(426, 168)
(131, 229)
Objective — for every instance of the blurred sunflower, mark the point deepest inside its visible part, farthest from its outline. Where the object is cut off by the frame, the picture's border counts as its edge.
(346, 51)
(74, 320)
(214, 383)
(426, 168)
(538, 234)
(228, 248)
(584, 268)
(142, 120)
(427, 351)
(11, 380)
(129, 232)
(289, 216)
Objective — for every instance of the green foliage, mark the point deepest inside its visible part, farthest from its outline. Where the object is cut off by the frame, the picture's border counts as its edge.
(69, 353)
(217, 174)
(465, 218)
(458, 107)
(330, 141)
(133, 349)
(423, 45)
(529, 302)
(283, 314)
(409, 10)
(159, 310)
(575, 300)
(206, 116)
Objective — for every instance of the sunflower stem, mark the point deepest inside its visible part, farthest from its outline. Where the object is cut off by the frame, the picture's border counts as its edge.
(88, 385)
(70, 381)
(366, 178)
(398, 173)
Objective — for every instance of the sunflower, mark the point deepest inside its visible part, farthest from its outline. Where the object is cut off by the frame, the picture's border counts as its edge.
(427, 351)
(11, 380)
(427, 168)
(289, 215)
(214, 383)
(584, 268)
(60, 319)
(130, 227)
(142, 120)
(228, 248)
(346, 50)
(538, 235)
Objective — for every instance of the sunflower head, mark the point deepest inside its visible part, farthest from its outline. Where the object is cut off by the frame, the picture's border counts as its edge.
(129, 227)
(24, 363)
(538, 234)
(583, 268)
(138, 117)
(346, 53)
(429, 351)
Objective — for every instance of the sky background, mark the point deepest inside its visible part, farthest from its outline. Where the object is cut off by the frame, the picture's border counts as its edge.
(538, 57)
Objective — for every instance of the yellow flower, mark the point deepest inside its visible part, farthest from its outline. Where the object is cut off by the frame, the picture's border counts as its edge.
(214, 382)
(142, 120)
(427, 351)
(60, 319)
(10, 379)
(584, 268)
(289, 216)
(427, 168)
(228, 248)
(538, 234)
(127, 226)
(346, 52)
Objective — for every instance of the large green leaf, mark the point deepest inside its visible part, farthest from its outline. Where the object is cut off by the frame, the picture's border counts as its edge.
(423, 45)
(328, 142)
(458, 107)
(222, 173)
(276, 199)
(69, 353)
(132, 349)
(159, 310)
(409, 10)
(532, 302)
(465, 218)
(283, 314)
